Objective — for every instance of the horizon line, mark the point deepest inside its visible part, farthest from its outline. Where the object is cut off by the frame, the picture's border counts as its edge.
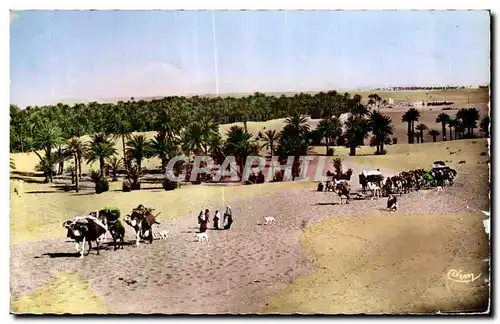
(243, 94)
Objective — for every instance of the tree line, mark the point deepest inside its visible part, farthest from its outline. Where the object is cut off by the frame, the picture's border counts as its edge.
(461, 126)
(191, 126)
(141, 115)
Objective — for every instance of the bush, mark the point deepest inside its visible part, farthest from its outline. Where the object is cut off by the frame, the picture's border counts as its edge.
(169, 184)
(126, 185)
(278, 176)
(256, 178)
(394, 140)
(101, 183)
(135, 185)
(337, 165)
(133, 176)
(383, 152)
(261, 178)
(252, 178)
(189, 170)
(387, 141)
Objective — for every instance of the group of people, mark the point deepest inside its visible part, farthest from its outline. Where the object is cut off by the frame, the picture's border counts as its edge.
(204, 219)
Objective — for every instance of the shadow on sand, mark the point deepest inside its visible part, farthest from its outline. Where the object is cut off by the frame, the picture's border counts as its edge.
(60, 255)
(102, 247)
(43, 192)
(83, 194)
(326, 204)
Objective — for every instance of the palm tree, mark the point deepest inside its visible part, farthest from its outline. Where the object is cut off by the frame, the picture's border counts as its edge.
(411, 116)
(169, 120)
(294, 141)
(297, 123)
(443, 119)
(216, 149)
(61, 156)
(468, 118)
(164, 149)
(434, 133)
(485, 126)
(242, 111)
(270, 138)
(240, 144)
(123, 129)
(452, 123)
(138, 147)
(330, 129)
(193, 138)
(72, 171)
(381, 126)
(209, 130)
(357, 129)
(46, 166)
(374, 99)
(114, 164)
(77, 149)
(458, 128)
(100, 148)
(48, 137)
(355, 106)
(421, 128)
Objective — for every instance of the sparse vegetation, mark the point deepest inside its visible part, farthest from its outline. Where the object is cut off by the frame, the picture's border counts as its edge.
(169, 184)
(101, 183)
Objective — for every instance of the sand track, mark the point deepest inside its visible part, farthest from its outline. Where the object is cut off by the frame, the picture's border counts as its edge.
(236, 271)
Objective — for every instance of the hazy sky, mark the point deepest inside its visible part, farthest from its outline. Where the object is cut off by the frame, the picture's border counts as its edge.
(64, 55)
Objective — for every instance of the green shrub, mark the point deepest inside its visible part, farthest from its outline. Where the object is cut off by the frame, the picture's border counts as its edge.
(337, 165)
(101, 183)
(126, 185)
(135, 186)
(169, 184)
(279, 176)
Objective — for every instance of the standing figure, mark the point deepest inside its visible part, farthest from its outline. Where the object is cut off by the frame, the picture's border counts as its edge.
(200, 219)
(228, 218)
(204, 221)
(216, 220)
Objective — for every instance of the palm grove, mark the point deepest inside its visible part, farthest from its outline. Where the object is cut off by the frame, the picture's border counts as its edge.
(190, 126)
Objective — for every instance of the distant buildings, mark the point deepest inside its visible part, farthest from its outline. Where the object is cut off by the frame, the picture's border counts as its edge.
(430, 88)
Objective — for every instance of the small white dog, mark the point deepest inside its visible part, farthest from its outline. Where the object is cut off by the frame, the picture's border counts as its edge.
(269, 220)
(202, 236)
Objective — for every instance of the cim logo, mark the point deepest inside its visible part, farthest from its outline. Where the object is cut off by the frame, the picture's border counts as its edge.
(462, 277)
(470, 275)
